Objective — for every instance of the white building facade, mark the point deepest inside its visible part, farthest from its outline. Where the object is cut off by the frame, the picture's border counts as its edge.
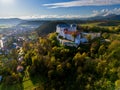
(66, 31)
(69, 36)
(3, 42)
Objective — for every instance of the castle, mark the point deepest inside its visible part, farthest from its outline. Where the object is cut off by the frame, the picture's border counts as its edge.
(69, 36)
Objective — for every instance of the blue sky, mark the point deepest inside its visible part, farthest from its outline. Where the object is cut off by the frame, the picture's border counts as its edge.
(58, 8)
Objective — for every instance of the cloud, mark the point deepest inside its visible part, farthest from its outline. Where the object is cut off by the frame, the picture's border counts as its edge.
(82, 3)
(51, 16)
(46, 16)
(105, 12)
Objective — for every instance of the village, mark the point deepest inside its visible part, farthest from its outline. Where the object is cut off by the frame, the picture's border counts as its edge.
(12, 40)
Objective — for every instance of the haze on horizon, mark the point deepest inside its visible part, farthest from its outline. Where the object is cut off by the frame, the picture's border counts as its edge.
(57, 9)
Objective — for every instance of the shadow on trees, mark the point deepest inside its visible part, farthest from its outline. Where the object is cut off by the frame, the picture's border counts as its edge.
(12, 87)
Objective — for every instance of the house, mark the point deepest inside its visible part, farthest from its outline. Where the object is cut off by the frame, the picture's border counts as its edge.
(20, 68)
(20, 59)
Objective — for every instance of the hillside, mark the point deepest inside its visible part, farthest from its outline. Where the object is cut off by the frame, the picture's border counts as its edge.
(48, 65)
(33, 22)
(109, 23)
(50, 26)
(112, 17)
(47, 27)
(10, 21)
(101, 23)
(108, 17)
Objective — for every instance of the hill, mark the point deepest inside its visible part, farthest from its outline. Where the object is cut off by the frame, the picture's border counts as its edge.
(108, 17)
(48, 27)
(10, 21)
(32, 22)
(112, 17)
(109, 23)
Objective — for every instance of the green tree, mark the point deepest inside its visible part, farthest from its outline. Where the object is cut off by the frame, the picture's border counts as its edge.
(88, 37)
(101, 50)
(117, 84)
(79, 59)
(114, 45)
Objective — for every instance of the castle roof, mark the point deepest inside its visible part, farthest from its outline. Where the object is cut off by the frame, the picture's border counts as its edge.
(67, 25)
(63, 25)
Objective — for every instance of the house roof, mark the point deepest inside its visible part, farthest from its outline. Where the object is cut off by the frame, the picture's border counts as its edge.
(74, 25)
(20, 68)
(67, 25)
(71, 32)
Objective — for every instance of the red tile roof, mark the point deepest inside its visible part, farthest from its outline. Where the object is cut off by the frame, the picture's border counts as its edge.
(71, 32)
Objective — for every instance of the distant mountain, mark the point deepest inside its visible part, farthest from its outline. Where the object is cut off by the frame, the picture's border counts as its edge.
(100, 17)
(108, 17)
(113, 17)
(10, 21)
(32, 22)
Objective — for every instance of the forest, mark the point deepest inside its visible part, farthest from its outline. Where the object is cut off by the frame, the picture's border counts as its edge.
(52, 66)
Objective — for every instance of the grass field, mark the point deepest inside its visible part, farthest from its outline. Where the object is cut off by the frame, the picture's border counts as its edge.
(108, 24)
(90, 24)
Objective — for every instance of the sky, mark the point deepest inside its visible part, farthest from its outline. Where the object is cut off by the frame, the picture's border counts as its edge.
(57, 8)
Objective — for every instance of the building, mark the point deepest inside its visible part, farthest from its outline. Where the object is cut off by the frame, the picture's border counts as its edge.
(69, 36)
(3, 42)
(92, 35)
(20, 68)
